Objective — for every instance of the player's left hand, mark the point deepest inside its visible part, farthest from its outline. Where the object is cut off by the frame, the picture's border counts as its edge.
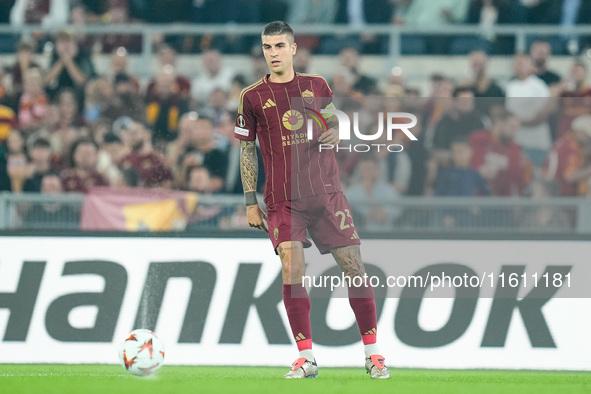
(330, 136)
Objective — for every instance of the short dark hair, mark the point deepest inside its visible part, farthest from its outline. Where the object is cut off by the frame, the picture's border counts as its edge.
(277, 28)
(79, 142)
(41, 143)
(111, 138)
(462, 89)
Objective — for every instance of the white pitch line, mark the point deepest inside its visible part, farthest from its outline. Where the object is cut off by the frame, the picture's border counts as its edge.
(9, 375)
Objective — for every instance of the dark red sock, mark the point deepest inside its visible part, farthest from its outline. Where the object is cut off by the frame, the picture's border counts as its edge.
(362, 301)
(297, 305)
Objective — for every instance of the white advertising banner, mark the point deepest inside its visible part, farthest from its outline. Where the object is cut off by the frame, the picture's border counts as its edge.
(483, 304)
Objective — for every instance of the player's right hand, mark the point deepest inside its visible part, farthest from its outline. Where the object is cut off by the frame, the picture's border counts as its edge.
(256, 217)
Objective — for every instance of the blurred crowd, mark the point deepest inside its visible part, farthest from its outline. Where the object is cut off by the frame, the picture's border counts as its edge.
(66, 126)
(355, 13)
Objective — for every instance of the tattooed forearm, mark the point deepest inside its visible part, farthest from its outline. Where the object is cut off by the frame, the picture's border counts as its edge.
(349, 260)
(249, 167)
(332, 122)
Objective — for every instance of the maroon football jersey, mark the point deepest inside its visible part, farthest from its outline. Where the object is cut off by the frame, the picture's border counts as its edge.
(152, 171)
(74, 181)
(276, 114)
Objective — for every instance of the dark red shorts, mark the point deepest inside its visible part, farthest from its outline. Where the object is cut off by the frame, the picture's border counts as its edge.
(327, 217)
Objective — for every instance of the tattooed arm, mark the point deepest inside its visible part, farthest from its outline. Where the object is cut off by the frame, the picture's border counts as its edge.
(332, 122)
(331, 136)
(249, 170)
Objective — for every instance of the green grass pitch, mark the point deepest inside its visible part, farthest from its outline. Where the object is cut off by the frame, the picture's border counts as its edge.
(107, 379)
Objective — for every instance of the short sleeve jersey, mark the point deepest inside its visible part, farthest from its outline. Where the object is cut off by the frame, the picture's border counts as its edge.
(278, 115)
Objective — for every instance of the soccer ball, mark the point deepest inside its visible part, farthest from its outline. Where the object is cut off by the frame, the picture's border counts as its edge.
(141, 353)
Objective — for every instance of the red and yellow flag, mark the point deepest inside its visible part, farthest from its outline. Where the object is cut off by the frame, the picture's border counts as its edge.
(128, 209)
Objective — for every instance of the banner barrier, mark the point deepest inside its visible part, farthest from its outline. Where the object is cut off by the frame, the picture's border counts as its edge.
(218, 302)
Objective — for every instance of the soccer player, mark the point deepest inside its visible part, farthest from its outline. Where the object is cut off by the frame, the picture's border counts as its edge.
(302, 192)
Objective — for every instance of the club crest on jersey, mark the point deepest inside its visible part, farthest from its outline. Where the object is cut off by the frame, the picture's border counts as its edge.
(308, 96)
(240, 121)
(276, 233)
(293, 120)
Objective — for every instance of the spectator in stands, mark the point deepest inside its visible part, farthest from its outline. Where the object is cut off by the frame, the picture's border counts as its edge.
(99, 95)
(70, 124)
(569, 161)
(33, 102)
(436, 106)
(460, 179)
(111, 152)
(259, 64)
(395, 168)
(357, 14)
(117, 13)
(540, 52)
(196, 146)
(83, 174)
(349, 58)
(119, 63)
(17, 166)
(24, 61)
(126, 101)
(486, 14)
(311, 12)
(41, 164)
(215, 75)
(198, 180)
(419, 157)
(217, 107)
(149, 163)
(527, 99)
(497, 157)
(8, 121)
(342, 87)
(99, 129)
(575, 97)
(320, 12)
(461, 120)
(301, 60)
(79, 18)
(574, 12)
(486, 90)
(426, 13)
(69, 112)
(373, 200)
(49, 14)
(165, 108)
(168, 62)
(71, 67)
(51, 215)
(5, 96)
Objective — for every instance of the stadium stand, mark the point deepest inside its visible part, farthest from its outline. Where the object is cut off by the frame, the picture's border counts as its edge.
(109, 74)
